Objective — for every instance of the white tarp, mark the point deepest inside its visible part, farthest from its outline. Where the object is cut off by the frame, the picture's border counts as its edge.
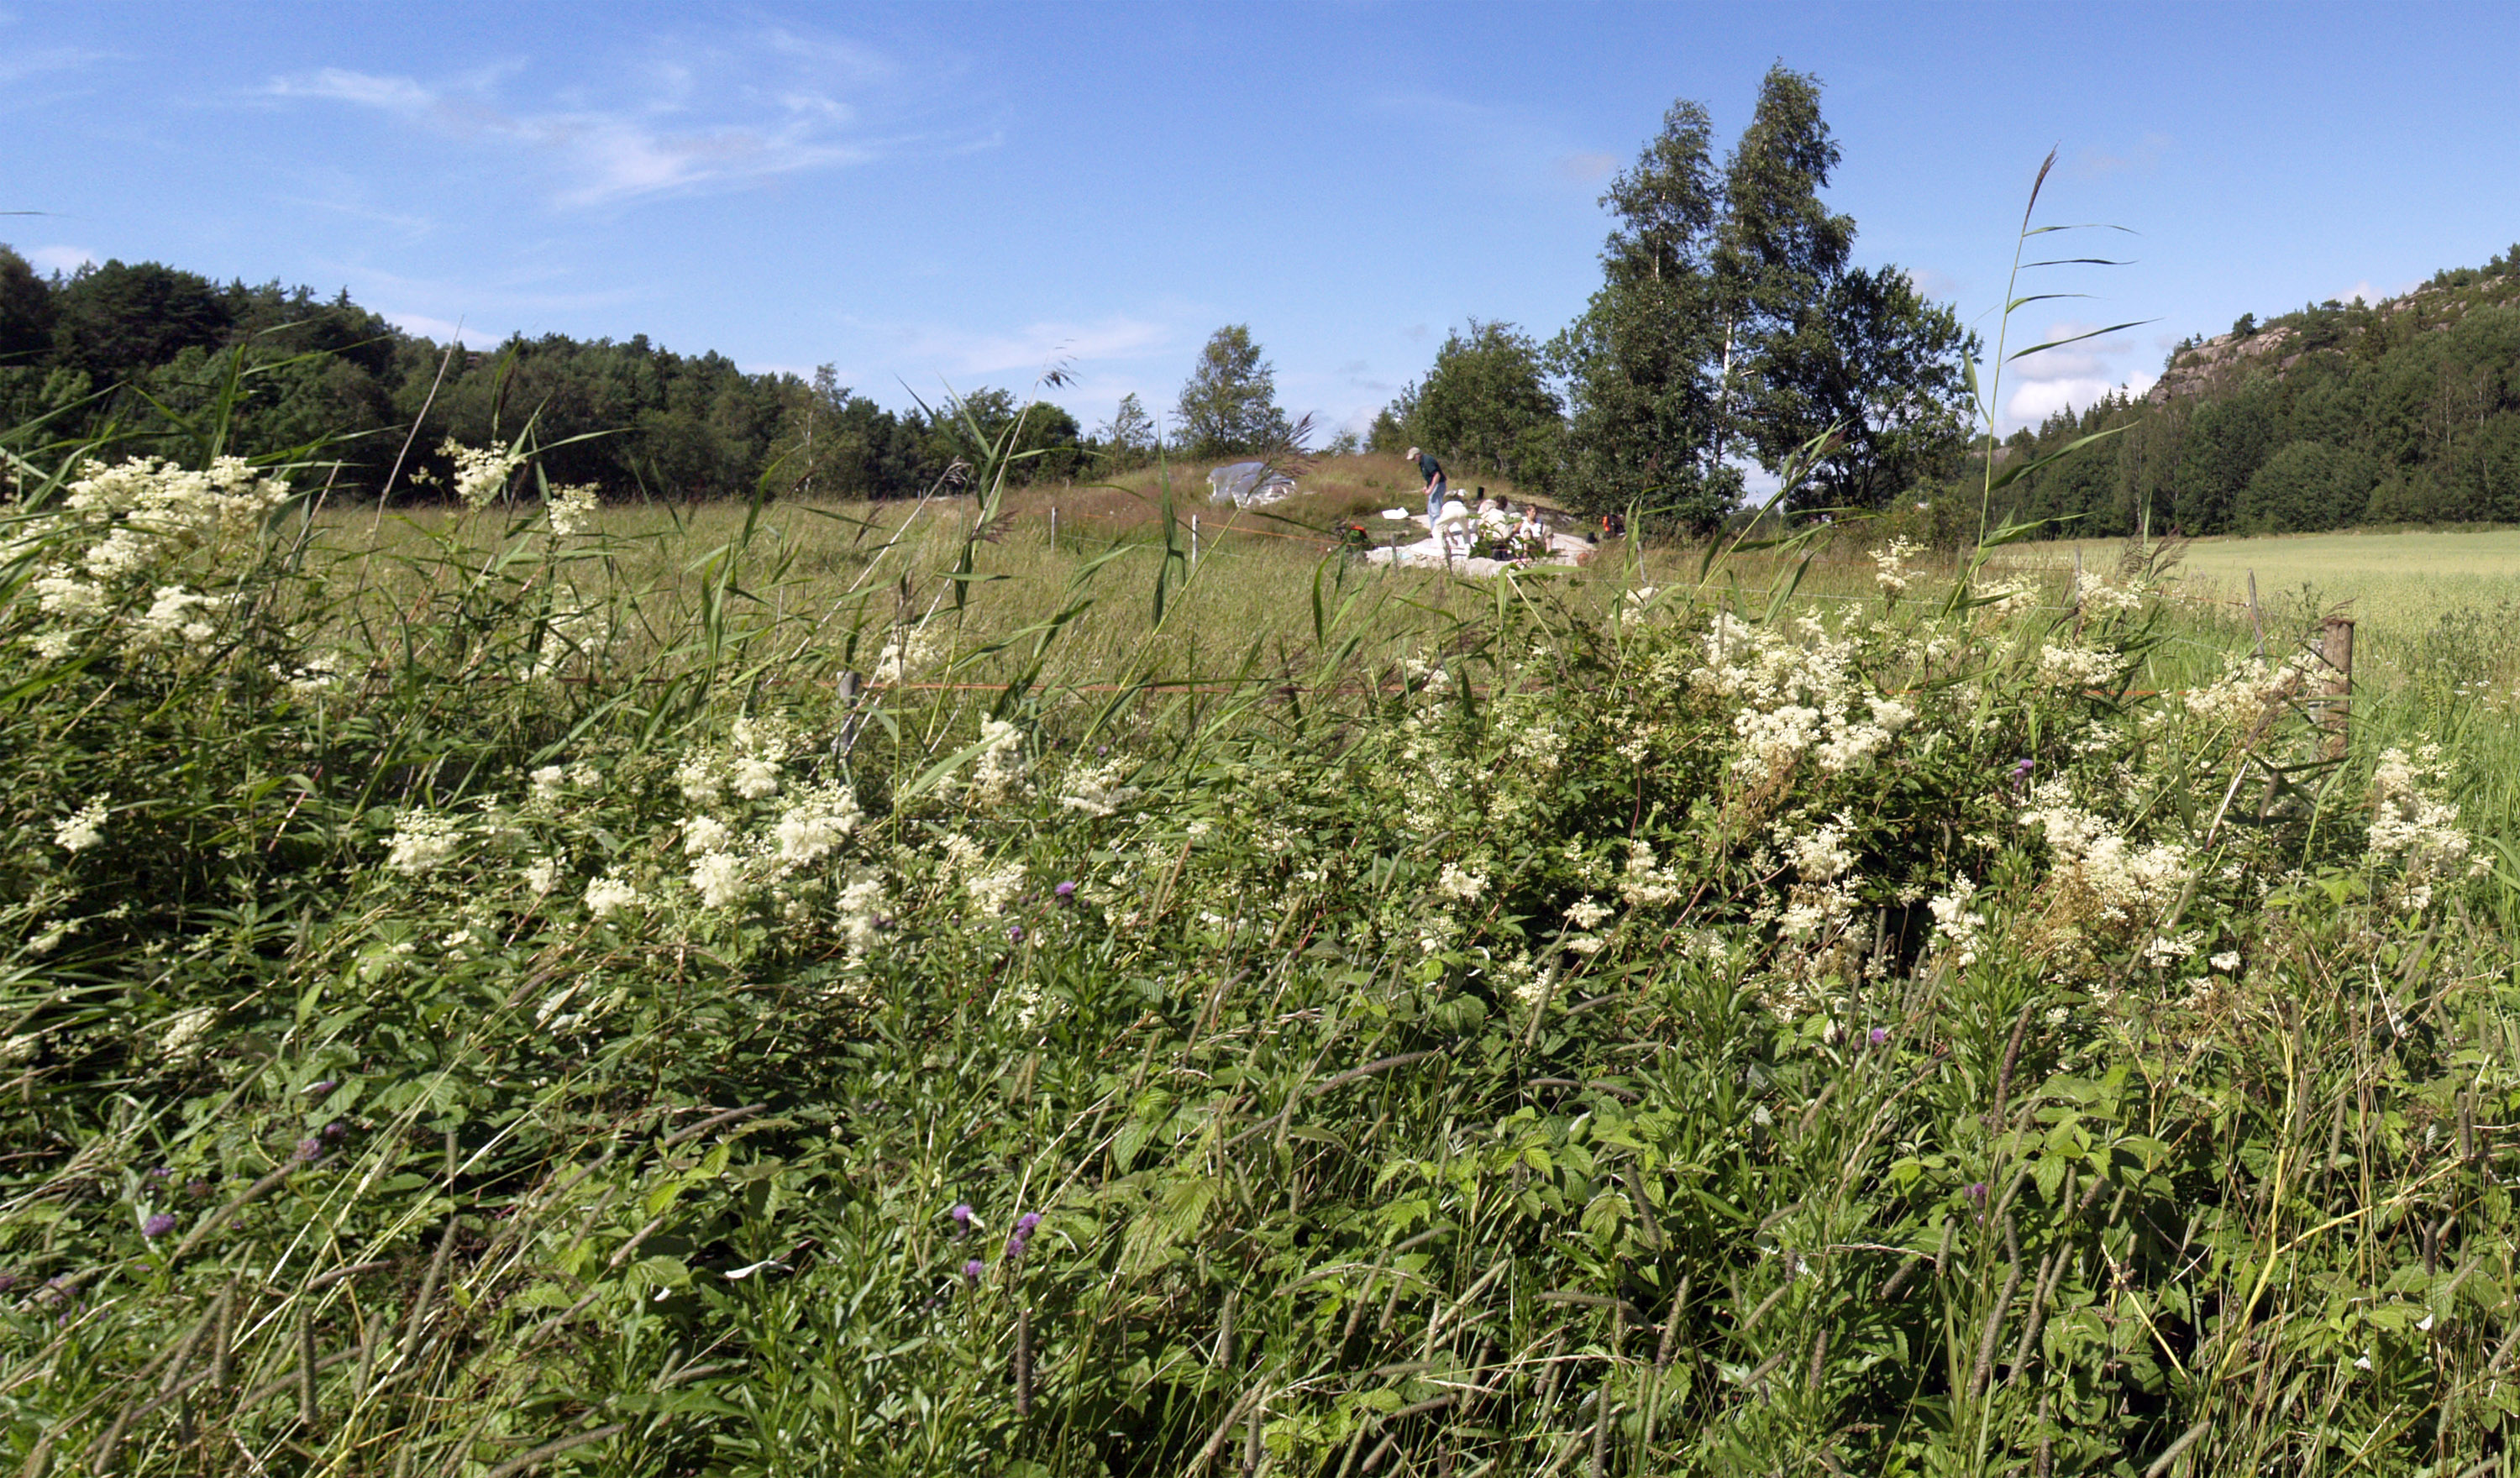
(1241, 484)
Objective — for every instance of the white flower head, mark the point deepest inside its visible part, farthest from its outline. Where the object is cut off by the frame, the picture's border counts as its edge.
(83, 827)
(422, 841)
(611, 894)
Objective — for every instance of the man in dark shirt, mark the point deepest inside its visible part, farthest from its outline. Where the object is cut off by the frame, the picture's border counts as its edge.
(1433, 472)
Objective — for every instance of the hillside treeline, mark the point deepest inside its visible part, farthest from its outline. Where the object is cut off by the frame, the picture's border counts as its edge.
(140, 350)
(2340, 414)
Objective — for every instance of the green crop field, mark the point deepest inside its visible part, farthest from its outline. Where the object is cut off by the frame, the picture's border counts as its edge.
(871, 988)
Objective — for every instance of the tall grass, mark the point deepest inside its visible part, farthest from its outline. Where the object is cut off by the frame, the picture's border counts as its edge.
(808, 990)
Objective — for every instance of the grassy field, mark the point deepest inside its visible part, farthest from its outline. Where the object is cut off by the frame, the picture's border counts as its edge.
(819, 990)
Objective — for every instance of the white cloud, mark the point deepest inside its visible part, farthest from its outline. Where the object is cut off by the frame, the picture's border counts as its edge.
(1931, 284)
(2375, 296)
(18, 66)
(61, 258)
(437, 329)
(710, 117)
(1035, 347)
(2071, 375)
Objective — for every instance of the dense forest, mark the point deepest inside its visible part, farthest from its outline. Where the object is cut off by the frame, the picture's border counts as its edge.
(2339, 414)
(139, 352)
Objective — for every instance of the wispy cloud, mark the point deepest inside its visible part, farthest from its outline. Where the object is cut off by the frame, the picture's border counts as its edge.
(43, 60)
(2364, 292)
(1586, 168)
(2142, 158)
(2073, 375)
(61, 258)
(1031, 349)
(720, 117)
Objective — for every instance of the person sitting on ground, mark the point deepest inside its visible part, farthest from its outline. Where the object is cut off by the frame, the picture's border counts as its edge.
(1433, 472)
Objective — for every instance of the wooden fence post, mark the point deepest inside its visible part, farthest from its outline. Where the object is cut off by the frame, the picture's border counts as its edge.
(1053, 525)
(2256, 620)
(1193, 541)
(2336, 713)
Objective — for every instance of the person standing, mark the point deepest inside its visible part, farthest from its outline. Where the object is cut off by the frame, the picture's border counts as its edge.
(1433, 472)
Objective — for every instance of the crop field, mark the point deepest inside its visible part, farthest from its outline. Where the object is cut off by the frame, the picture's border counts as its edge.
(808, 989)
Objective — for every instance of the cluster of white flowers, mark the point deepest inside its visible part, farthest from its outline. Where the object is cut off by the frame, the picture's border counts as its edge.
(1797, 697)
(1645, 884)
(480, 472)
(84, 828)
(2075, 666)
(1097, 790)
(906, 649)
(119, 530)
(423, 842)
(570, 509)
(1458, 882)
(613, 894)
(1001, 766)
(2120, 881)
(1956, 925)
(993, 890)
(1891, 569)
(814, 824)
(2097, 594)
(750, 771)
(2414, 827)
(2245, 694)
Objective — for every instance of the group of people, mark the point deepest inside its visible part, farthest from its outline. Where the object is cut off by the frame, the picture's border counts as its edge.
(1463, 528)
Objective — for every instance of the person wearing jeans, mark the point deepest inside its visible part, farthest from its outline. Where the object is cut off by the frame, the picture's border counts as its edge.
(1433, 472)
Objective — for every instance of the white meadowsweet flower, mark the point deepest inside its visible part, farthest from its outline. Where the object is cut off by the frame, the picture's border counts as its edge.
(84, 828)
(422, 841)
(543, 875)
(707, 834)
(815, 828)
(698, 779)
(549, 780)
(1460, 883)
(611, 894)
(719, 878)
(1001, 764)
(572, 509)
(756, 778)
(480, 473)
(179, 1041)
(861, 911)
(1586, 915)
(2228, 962)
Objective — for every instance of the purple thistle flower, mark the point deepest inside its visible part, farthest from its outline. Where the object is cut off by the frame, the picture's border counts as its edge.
(1014, 933)
(972, 1269)
(308, 1150)
(1879, 1036)
(158, 1225)
(1065, 891)
(1026, 1221)
(962, 1214)
(1977, 1191)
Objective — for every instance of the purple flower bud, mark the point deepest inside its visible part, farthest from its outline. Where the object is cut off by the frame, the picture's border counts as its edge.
(1879, 1036)
(308, 1150)
(158, 1225)
(1065, 891)
(336, 1130)
(1026, 1221)
(972, 1269)
(962, 1214)
(1977, 1191)
(1014, 933)
(159, 1173)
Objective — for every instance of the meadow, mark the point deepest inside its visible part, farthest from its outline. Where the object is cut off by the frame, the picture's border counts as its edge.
(532, 987)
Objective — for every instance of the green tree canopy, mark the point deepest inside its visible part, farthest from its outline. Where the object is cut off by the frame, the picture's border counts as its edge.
(1228, 407)
(1485, 408)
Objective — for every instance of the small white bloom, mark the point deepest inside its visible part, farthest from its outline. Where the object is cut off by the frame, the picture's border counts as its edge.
(543, 875)
(422, 841)
(610, 894)
(84, 828)
(756, 778)
(2228, 962)
(719, 879)
(549, 780)
(1460, 883)
(705, 834)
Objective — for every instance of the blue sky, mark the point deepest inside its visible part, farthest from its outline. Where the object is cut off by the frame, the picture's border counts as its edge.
(963, 193)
